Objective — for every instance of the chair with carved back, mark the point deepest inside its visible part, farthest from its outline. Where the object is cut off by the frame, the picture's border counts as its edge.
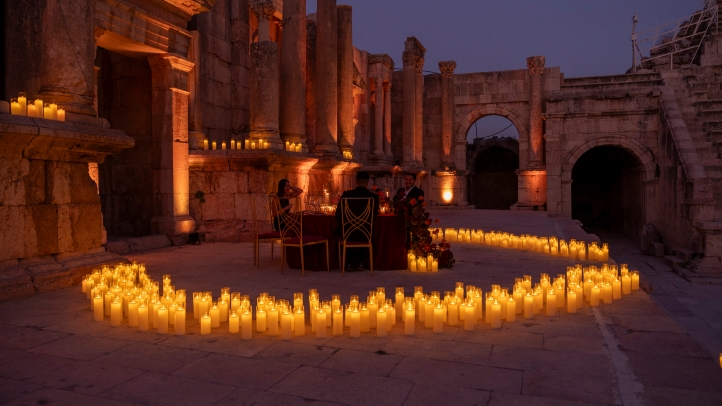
(356, 227)
(291, 229)
(272, 236)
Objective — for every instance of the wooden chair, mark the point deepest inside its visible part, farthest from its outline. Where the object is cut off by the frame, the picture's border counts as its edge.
(359, 225)
(292, 233)
(273, 236)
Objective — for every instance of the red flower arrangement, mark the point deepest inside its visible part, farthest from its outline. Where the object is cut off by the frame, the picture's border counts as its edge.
(418, 222)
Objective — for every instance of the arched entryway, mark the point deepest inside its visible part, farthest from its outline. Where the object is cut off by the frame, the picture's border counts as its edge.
(608, 191)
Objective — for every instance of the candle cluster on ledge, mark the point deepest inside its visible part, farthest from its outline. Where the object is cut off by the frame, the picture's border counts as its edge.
(547, 245)
(125, 292)
(21, 106)
(293, 147)
(347, 155)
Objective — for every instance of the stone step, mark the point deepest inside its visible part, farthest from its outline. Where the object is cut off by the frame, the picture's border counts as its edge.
(673, 261)
(710, 115)
(684, 254)
(712, 125)
(714, 104)
(123, 246)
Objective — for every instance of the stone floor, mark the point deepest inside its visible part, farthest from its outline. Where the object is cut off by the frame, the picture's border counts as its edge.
(659, 348)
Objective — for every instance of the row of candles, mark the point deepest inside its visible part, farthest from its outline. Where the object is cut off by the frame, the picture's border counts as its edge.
(35, 108)
(249, 144)
(422, 263)
(347, 155)
(126, 292)
(547, 245)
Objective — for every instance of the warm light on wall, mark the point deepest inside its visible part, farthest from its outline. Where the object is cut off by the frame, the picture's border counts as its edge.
(447, 196)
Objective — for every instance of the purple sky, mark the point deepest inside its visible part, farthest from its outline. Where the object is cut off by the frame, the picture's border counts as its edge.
(583, 37)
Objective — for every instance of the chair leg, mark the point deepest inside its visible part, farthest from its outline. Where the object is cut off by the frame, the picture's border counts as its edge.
(343, 261)
(303, 266)
(371, 260)
(340, 259)
(283, 256)
(255, 252)
(328, 260)
(272, 242)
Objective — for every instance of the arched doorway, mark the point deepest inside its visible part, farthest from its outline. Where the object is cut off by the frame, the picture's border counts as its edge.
(608, 190)
(492, 161)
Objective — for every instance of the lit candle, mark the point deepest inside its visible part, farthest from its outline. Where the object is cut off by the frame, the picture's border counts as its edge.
(223, 145)
(31, 109)
(171, 313)
(132, 313)
(626, 284)
(381, 325)
(143, 317)
(635, 280)
(410, 258)
(47, 112)
(594, 301)
(616, 289)
(320, 323)
(179, 327)
(469, 316)
(428, 312)
(98, 313)
(205, 324)
(372, 310)
(364, 320)
(234, 323)
(286, 320)
(355, 326)
(551, 302)
(233, 144)
(571, 301)
(528, 306)
(223, 309)
(607, 293)
(116, 312)
(265, 144)
(298, 147)
(214, 145)
(246, 144)
(162, 320)
(399, 299)
(453, 309)
(61, 114)
(438, 318)
(337, 321)
(299, 320)
(253, 144)
(23, 102)
(460, 290)
(580, 295)
(215, 314)
(495, 314)
(410, 319)
(511, 309)
(247, 324)
(15, 107)
(39, 108)
(288, 145)
(272, 320)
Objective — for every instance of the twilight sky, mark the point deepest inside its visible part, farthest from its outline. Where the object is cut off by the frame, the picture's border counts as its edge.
(583, 37)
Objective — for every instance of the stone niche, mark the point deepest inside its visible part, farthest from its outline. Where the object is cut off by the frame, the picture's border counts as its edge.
(51, 228)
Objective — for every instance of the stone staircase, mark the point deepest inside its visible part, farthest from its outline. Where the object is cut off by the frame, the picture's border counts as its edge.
(612, 81)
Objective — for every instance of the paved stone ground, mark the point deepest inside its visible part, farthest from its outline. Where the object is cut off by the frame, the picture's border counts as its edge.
(631, 352)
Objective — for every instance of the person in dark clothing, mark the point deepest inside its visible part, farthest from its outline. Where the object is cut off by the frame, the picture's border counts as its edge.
(355, 257)
(408, 192)
(284, 193)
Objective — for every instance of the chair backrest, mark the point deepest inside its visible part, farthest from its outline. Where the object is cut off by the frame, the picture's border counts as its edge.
(357, 217)
(290, 222)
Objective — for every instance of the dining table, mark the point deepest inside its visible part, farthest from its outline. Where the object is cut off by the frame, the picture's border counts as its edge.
(388, 239)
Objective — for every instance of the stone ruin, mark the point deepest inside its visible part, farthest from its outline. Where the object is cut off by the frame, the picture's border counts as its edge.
(148, 84)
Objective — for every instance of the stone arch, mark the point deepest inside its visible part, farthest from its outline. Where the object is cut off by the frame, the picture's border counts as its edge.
(488, 110)
(506, 143)
(638, 150)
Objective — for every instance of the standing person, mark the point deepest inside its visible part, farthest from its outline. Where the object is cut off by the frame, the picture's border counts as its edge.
(408, 193)
(284, 192)
(355, 258)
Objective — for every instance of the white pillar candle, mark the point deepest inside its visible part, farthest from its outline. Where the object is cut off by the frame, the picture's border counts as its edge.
(260, 320)
(439, 318)
(495, 314)
(528, 306)
(594, 298)
(635, 280)
(179, 323)
(511, 309)
(223, 145)
(98, 310)
(299, 321)
(381, 322)
(489, 302)
(428, 306)
(234, 323)
(116, 312)
(372, 310)
(61, 114)
(551, 302)
(364, 320)
(286, 320)
(579, 291)
(538, 301)
(133, 313)
(410, 319)
(272, 321)
(205, 145)
(626, 284)
(39, 111)
(571, 301)
(399, 299)
(459, 290)
(235, 304)
(320, 324)
(171, 313)
(337, 322)
(162, 320)
(143, 317)
(469, 316)
(453, 316)
(607, 293)
(205, 324)
(213, 145)
(355, 323)
(196, 305)
(215, 314)
(247, 324)
(223, 306)
(616, 289)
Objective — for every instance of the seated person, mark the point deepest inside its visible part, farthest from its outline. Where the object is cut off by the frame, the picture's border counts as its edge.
(285, 192)
(355, 257)
(410, 190)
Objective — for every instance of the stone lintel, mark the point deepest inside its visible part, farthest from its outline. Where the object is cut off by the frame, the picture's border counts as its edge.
(383, 59)
(192, 7)
(248, 159)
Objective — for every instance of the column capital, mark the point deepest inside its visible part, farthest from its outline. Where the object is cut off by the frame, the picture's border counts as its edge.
(383, 59)
(419, 64)
(447, 68)
(535, 64)
(263, 9)
(387, 87)
(170, 71)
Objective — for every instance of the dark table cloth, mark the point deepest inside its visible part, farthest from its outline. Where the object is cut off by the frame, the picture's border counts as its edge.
(389, 236)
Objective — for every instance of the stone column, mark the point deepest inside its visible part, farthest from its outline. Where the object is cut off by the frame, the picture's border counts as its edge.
(447, 112)
(419, 111)
(387, 121)
(536, 70)
(170, 147)
(67, 53)
(311, 84)
(326, 79)
(264, 95)
(263, 9)
(195, 108)
(346, 134)
(409, 117)
(293, 73)
(379, 117)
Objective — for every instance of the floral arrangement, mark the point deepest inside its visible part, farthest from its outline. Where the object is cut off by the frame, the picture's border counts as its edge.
(418, 222)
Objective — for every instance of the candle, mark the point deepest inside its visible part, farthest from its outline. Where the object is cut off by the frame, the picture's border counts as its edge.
(428, 307)
(162, 320)
(15, 107)
(298, 147)
(460, 290)
(399, 299)
(626, 284)
(469, 316)
(355, 323)
(205, 148)
(372, 310)
(32, 110)
(453, 312)
(265, 144)
(489, 302)
(98, 311)
(607, 293)
(272, 320)
(234, 323)
(215, 314)
(364, 320)
(337, 321)
(205, 324)
(116, 312)
(61, 114)
(411, 258)
(409, 319)
(571, 301)
(635, 280)
(511, 309)
(223, 309)
(320, 323)
(133, 313)
(580, 295)
(233, 144)
(594, 301)
(438, 318)
(551, 302)
(495, 314)
(528, 306)
(299, 320)
(286, 320)
(260, 320)
(247, 323)
(179, 320)
(616, 289)
(381, 325)
(288, 145)
(143, 317)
